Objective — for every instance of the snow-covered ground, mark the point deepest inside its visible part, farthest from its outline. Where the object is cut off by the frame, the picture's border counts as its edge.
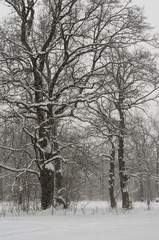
(88, 221)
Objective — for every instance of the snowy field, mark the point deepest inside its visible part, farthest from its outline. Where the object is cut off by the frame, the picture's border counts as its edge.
(87, 221)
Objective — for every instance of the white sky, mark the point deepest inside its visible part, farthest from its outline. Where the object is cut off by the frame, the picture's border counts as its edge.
(151, 8)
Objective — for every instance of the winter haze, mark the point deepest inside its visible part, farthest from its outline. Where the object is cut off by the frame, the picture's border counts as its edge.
(79, 123)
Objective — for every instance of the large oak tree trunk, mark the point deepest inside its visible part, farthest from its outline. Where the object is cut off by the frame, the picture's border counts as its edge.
(123, 175)
(122, 169)
(47, 188)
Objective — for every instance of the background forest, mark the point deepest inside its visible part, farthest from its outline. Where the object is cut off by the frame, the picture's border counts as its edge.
(79, 96)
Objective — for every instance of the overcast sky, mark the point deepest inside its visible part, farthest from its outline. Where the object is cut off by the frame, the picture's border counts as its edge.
(151, 10)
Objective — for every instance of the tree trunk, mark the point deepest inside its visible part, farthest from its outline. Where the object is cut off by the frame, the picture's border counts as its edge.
(122, 170)
(123, 175)
(102, 181)
(157, 176)
(141, 180)
(1, 185)
(60, 198)
(47, 188)
(148, 192)
(141, 197)
(112, 178)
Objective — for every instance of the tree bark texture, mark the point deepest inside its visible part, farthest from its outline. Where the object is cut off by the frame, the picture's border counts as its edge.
(157, 175)
(122, 169)
(123, 175)
(47, 187)
(1, 185)
(112, 177)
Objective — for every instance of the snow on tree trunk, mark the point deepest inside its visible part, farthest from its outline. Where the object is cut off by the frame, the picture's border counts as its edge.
(112, 177)
(157, 175)
(1, 185)
(122, 169)
(123, 175)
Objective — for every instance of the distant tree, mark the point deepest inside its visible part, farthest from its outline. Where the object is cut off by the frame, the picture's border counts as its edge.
(81, 169)
(129, 81)
(155, 136)
(101, 129)
(142, 155)
(131, 75)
